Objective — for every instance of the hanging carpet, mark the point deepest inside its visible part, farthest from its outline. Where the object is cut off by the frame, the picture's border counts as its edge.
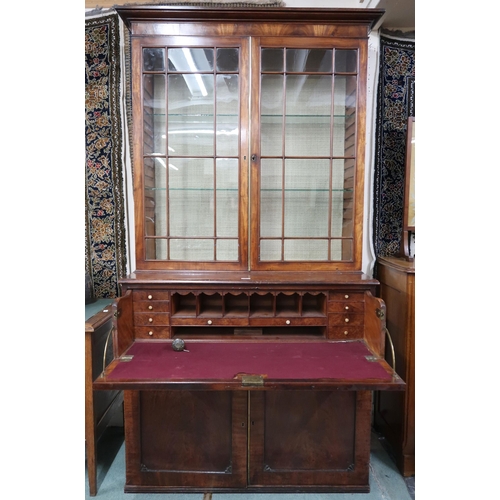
(395, 103)
(105, 253)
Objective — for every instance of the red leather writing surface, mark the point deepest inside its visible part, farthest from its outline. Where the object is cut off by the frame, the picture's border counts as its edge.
(272, 360)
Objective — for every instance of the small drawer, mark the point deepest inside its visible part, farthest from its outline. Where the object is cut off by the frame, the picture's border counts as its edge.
(151, 333)
(152, 306)
(347, 306)
(151, 319)
(350, 296)
(346, 319)
(151, 295)
(345, 332)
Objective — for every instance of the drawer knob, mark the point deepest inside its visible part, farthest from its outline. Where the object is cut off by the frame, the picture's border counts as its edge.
(346, 333)
(209, 321)
(150, 297)
(347, 320)
(150, 308)
(346, 308)
(150, 333)
(150, 320)
(346, 296)
(287, 321)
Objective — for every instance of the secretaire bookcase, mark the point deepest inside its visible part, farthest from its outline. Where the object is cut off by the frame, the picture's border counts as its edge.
(248, 341)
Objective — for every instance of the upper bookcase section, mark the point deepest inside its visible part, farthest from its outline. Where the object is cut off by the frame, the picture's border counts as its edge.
(249, 137)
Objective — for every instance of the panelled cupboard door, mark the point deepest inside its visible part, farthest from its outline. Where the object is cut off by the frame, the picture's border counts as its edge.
(310, 438)
(185, 439)
(249, 152)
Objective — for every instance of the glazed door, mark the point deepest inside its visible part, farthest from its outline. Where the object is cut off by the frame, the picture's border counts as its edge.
(190, 120)
(310, 438)
(307, 155)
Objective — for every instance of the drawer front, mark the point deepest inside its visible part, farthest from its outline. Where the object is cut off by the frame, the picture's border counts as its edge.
(346, 319)
(347, 296)
(151, 319)
(152, 332)
(155, 306)
(346, 306)
(151, 295)
(345, 332)
(288, 321)
(209, 321)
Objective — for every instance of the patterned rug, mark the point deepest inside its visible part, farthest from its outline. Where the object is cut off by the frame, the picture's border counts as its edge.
(105, 253)
(395, 102)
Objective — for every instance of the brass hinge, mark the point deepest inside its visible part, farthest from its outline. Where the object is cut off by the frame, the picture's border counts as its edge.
(256, 380)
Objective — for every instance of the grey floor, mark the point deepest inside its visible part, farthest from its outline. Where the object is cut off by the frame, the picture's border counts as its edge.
(386, 483)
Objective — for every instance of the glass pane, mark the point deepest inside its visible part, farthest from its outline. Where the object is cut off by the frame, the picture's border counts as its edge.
(227, 197)
(344, 122)
(155, 197)
(341, 250)
(227, 59)
(227, 250)
(193, 250)
(154, 106)
(306, 198)
(271, 198)
(337, 198)
(190, 115)
(191, 197)
(306, 250)
(270, 250)
(193, 60)
(309, 60)
(272, 115)
(156, 249)
(227, 96)
(153, 59)
(308, 108)
(346, 61)
(272, 60)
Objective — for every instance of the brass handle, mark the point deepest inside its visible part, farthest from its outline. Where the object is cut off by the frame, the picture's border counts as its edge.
(392, 349)
(106, 350)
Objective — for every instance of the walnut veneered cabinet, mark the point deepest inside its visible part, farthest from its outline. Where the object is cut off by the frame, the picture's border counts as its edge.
(248, 146)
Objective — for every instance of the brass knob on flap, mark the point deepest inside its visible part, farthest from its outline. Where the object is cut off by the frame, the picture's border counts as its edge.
(178, 345)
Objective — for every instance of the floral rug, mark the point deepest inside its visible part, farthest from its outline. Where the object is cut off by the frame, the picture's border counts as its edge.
(395, 103)
(105, 253)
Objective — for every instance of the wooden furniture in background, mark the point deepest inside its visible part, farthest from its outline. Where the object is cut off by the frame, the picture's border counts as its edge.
(249, 143)
(100, 406)
(409, 193)
(395, 413)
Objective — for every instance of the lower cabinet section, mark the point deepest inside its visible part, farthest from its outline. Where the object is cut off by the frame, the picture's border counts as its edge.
(247, 440)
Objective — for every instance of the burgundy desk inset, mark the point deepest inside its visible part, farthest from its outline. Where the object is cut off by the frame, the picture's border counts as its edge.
(212, 362)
